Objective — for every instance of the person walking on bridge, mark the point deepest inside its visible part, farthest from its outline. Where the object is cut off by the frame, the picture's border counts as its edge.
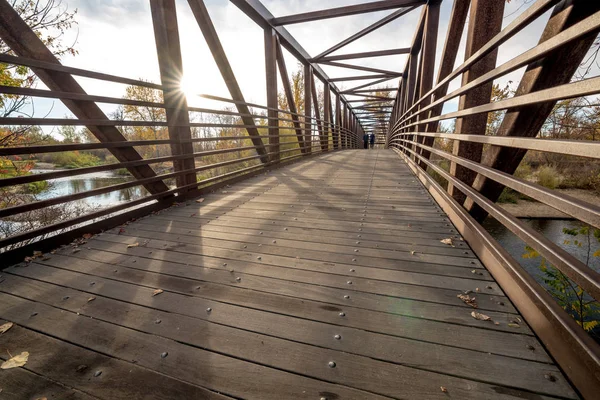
(366, 140)
(372, 140)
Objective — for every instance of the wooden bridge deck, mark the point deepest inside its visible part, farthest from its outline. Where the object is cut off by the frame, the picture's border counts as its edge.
(326, 279)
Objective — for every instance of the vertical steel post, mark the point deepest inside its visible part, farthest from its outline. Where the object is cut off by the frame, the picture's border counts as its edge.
(308, 107)
(326, 117)
(166, 34)
(271, 80)
(485, 21)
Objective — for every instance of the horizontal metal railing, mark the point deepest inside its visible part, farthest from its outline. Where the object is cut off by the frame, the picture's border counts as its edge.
(413, 135)
(314, 136)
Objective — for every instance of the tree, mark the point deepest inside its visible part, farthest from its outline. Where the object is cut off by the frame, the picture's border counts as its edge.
(49, 19)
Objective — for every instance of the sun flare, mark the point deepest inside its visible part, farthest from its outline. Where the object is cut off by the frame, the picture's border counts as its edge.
(191, 87)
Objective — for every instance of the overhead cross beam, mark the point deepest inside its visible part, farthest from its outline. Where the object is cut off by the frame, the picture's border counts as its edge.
(344, 11)
(384, 21)
(365, 54)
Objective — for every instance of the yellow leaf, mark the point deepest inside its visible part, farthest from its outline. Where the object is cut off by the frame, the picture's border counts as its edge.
(133, 245)
(91, 299)
(479, 316)
(157, 292)
(16, 361)
(447, 241)
(5, 327)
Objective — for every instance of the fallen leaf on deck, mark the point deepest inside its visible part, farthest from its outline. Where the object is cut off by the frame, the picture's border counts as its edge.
(444, 389)
(412, 253)
(42, 398)
(157, 292)
(447, 241)
(512, 325)
(193, 215)
(28, 259)
(16, 361)
(87, 236)
(5, 327)
(200, 200)
(37, 253)
(121, 230)
(468, 300)
(91, 299)
(132, 245)
(479, 316)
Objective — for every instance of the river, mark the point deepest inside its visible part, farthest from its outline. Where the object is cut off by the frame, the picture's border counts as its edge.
(82, 183)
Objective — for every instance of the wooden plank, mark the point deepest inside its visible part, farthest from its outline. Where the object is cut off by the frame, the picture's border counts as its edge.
(261, 313)
(244, 233)
(227, 340)
(19, 383)
(185, 362)
(76, 366)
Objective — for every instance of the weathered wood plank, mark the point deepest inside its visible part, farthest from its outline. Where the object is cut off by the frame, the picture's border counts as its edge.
(77, 367)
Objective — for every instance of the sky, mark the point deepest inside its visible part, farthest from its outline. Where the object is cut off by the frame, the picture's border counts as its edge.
(116, 37)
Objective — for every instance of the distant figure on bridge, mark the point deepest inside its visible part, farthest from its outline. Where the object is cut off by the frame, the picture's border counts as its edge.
(366, 140)
(372, 140)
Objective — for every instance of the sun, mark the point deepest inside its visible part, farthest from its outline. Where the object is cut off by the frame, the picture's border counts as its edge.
(190, 86)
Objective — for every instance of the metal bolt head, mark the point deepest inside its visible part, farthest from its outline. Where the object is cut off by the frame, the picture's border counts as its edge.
(97, 373)
(224, 264)
(158, 321)
(274, 241)
(259, 258)
(342, 314)
(164, 355)
(238, 279)
(349, 282)
(346, 296)
(208, 309)
(352, 270)
(261, 233)
(337, 337)
(331, 364)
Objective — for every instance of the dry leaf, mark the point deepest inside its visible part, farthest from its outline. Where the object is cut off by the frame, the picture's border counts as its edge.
(512, 325)
(37, 253)
(133, 245)
(42, 398)
(91, 299)
(479, 316)
(157, 292)
(87, 236)
(447, 241)
(16, 361)
(468, 300)
(28, 259)
(200, 200)
(443, 389)
(5, 327)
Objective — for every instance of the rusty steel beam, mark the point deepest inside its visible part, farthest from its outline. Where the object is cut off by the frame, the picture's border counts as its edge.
(432, 20)
(365, 54)
(308, 108)
(345, 11)
(358, 67)
(271, 86)
(384, 21)
(458, 18)
(166, 35)
(485, 21)
(315, 98)
(289, 94)
(25, 43)
(212, 39)
(326, 117)
(555, 69)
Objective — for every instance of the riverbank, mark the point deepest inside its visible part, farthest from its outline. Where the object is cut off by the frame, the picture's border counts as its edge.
(534, 209)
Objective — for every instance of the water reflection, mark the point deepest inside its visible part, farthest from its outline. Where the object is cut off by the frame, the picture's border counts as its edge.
(83, 183)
